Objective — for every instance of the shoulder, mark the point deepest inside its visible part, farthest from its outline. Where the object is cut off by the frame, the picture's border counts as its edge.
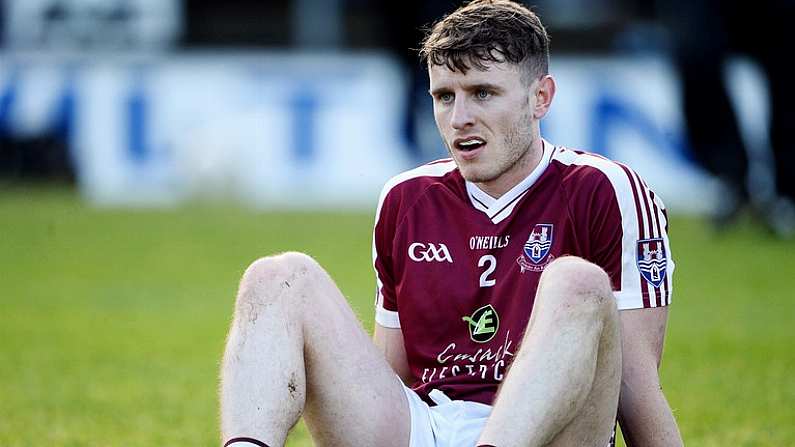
(410, 185)
(585, 171)
(421, 176)
(577, 167)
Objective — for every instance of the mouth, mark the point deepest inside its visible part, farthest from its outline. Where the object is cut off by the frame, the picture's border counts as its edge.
(469, 147)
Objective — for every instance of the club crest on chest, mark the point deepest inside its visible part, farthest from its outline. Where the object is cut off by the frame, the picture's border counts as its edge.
(535, 252)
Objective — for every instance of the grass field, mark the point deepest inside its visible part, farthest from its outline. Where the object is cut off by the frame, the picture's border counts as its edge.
(112, 322)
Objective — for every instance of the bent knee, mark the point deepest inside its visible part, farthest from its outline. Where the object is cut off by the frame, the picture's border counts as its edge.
(274, 267)
(272, 277)
(575, 281)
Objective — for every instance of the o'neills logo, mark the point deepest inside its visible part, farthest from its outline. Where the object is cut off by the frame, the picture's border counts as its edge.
(488, 242)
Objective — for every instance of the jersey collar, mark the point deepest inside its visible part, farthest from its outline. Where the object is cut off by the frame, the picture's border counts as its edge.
(498, 209)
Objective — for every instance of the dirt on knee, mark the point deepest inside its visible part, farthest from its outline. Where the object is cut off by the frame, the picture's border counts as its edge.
(269, 279)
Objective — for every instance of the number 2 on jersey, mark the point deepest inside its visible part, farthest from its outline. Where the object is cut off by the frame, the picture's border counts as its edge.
(492, 264)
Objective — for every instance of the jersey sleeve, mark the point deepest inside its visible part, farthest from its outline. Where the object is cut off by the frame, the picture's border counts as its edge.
(626, 233)
(386, 310)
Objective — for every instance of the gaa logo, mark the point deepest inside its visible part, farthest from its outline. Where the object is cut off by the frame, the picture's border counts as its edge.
(420, 252)
(483, 324)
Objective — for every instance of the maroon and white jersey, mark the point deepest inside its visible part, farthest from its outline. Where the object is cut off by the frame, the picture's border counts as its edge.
(457, 270)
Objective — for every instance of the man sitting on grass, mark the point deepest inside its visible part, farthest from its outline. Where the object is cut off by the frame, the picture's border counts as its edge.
(522, 287)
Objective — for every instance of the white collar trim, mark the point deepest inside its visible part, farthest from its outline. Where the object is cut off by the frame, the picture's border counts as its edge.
(498, 209)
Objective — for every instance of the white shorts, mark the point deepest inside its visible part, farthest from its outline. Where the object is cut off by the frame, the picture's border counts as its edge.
(450, 423)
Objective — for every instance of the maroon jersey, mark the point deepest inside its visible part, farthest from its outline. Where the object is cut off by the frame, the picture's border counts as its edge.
(457, 270)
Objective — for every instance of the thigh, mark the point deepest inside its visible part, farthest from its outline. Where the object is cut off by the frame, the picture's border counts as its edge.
(562, 387)
(353, 396)
(593, 425)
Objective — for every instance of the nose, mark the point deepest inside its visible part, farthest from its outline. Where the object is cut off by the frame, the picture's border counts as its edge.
(461, 116)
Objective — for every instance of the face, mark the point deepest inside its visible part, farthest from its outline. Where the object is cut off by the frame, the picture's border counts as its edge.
(489, 122)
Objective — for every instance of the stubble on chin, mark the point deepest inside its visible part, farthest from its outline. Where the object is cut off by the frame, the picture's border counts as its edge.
(469, 172)
(490, 169)
(520, 140)
(473, 175)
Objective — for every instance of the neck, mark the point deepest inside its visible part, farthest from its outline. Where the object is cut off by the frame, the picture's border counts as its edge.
(516, 173)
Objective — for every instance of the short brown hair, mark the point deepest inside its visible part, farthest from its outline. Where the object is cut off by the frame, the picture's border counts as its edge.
(488, 31)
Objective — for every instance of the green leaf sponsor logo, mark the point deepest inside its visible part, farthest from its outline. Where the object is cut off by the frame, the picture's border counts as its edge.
(483, 324)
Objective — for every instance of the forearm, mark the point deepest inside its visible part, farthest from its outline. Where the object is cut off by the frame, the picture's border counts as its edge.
(643, 412)
(646, 418)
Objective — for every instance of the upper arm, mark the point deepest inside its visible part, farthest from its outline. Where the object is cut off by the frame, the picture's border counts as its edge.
(642, 336)
(387, 334)
(386, 314)
(627, 230)
(390, 342)
(627, 235)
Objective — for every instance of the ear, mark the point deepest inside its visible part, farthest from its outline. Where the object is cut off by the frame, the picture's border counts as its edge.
(544, 92)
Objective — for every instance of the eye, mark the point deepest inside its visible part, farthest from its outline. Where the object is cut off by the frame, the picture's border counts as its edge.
(446, 97)
(483, 93)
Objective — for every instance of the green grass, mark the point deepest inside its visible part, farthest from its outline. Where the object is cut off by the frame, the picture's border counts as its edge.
(112, 322)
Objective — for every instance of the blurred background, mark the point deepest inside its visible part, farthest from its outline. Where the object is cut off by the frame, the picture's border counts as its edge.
(306, 103)
(150, 149)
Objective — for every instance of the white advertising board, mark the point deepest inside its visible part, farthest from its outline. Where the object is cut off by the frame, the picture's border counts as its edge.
(280, 130)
